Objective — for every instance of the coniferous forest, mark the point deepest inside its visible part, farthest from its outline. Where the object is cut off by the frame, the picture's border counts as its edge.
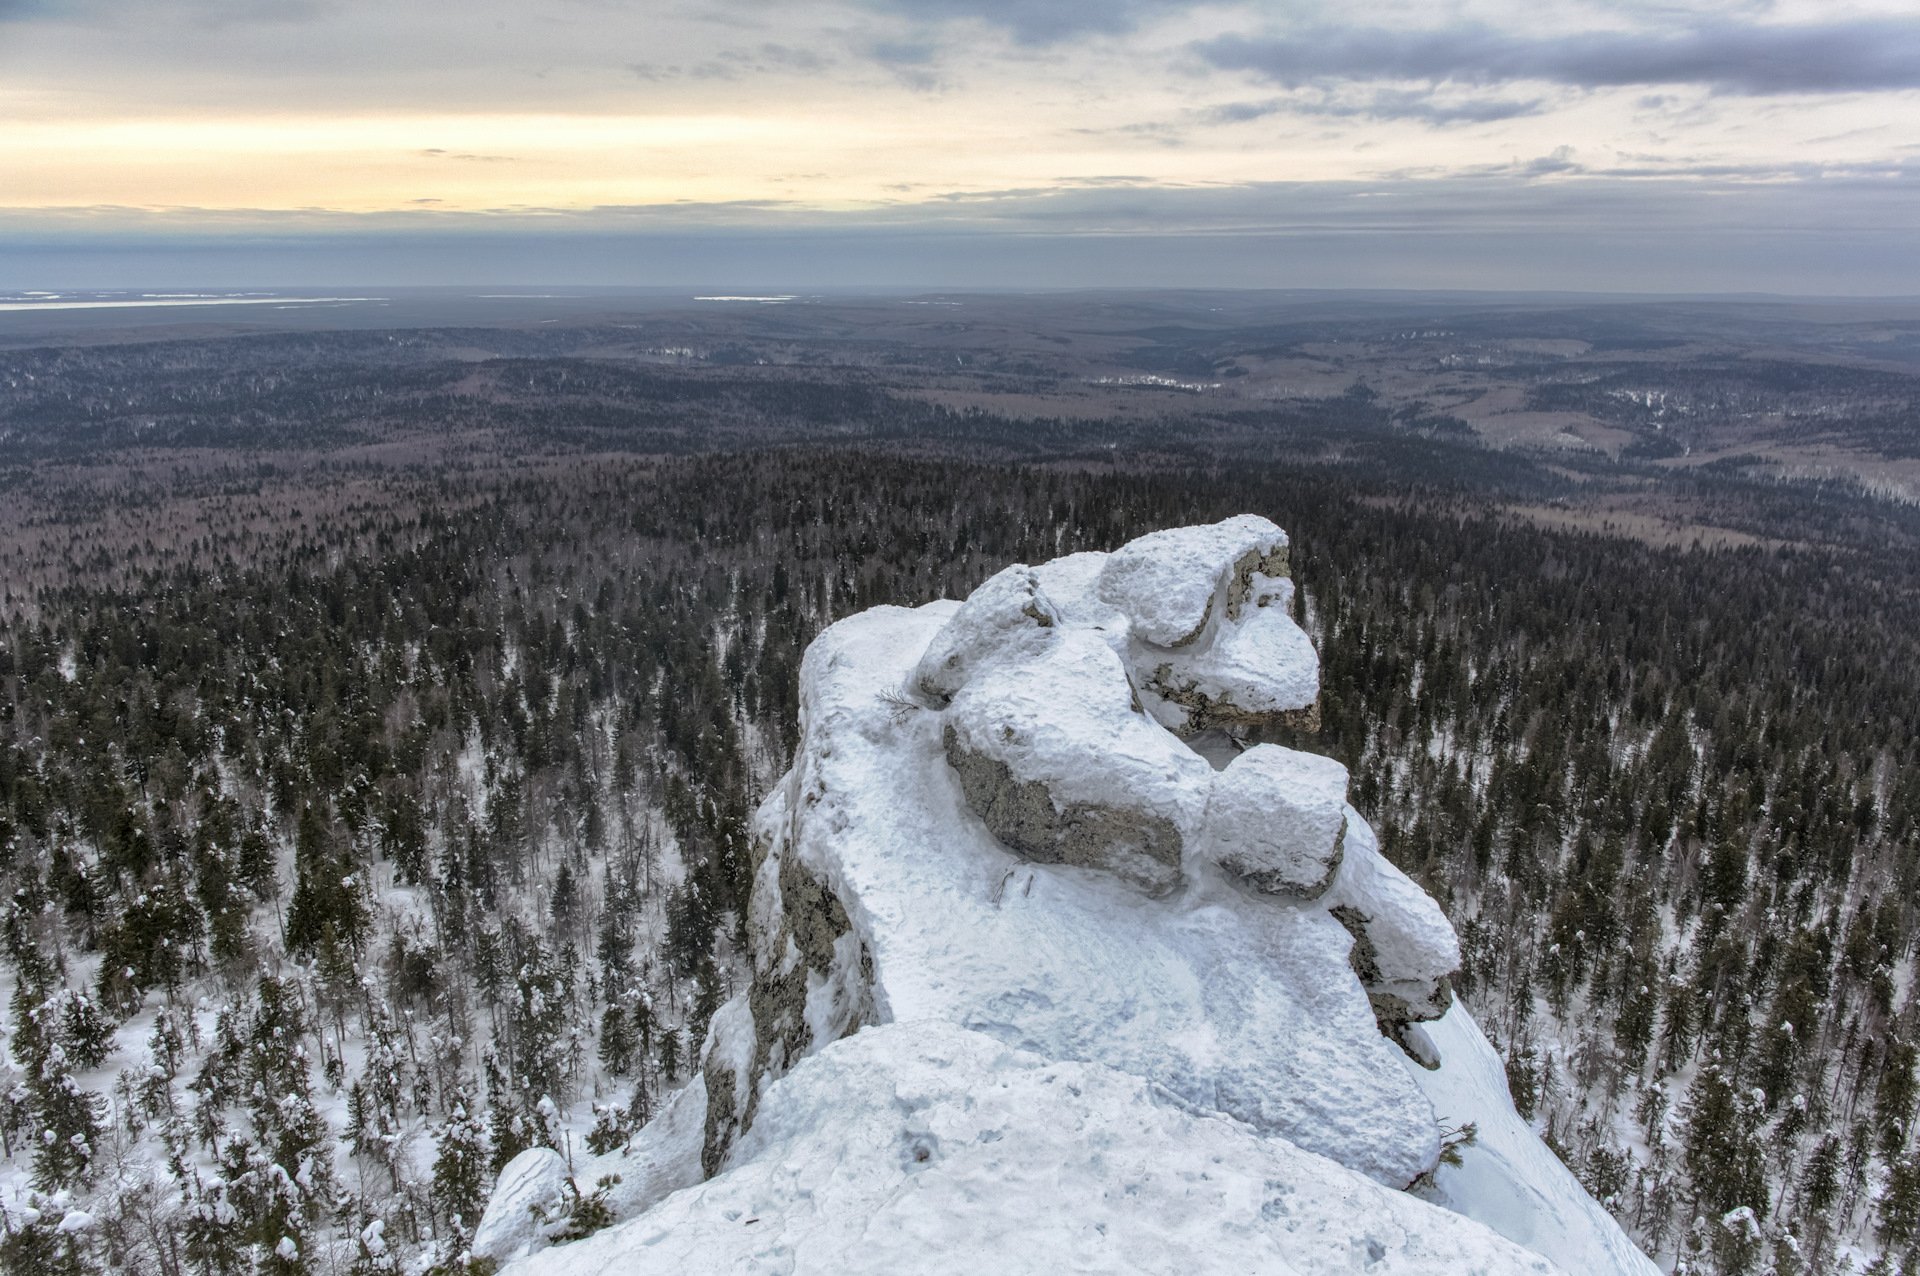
(366, 819)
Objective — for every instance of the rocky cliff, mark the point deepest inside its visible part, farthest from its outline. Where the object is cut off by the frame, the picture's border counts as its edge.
(1044, 934)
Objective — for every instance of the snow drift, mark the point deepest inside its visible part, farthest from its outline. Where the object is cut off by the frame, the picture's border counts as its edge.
(1051, 959)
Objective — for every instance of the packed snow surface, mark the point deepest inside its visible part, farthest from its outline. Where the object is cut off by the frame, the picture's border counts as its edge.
(923, 1147)
(531, 1200)
(1169, 583)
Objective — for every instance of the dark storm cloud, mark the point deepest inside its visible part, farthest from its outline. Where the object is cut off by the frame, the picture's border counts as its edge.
(1833, 57)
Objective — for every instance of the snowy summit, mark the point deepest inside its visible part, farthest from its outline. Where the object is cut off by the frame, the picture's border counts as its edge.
(1056, 968)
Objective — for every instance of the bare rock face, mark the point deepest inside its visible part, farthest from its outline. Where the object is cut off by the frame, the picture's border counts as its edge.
(810, 975)
(1278, 821)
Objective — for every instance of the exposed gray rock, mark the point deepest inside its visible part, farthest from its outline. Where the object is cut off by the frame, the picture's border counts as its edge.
(1057, 758)
(763, 1031)
(1249, 672)
(1195, 710)
(1404, 951)
(726, 1113)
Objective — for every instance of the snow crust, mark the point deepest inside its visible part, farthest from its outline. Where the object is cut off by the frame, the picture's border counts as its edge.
(1008, 617)
(923, 1147)
(1169, 583)
(662, 1159)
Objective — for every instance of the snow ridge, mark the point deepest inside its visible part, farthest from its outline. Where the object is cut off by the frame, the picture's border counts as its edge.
(1055, 963)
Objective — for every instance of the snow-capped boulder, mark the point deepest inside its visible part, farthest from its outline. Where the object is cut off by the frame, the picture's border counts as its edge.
(1059, 762)
(881, 893)
(530, 1195)
(923, 1147)
(1200, 617)
(1255, 670)
(1404, 950)
(1007, 617)
(1277, 821)
(1171, 584)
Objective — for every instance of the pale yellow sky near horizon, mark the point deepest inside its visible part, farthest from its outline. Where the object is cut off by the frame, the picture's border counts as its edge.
(349, 107)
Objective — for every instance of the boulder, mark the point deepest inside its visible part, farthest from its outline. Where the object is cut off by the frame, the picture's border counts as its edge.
(1170, 584)
(1060, 763)
(1008, 617)
(1277, 821)
(531, 1195)
(1201, 618)
(1255, 671)
(1404, 950)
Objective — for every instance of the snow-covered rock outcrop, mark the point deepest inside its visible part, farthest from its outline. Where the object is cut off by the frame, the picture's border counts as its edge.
(1050, 959)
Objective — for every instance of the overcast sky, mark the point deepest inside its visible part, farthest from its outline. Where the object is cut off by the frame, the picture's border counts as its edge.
(1719, 145)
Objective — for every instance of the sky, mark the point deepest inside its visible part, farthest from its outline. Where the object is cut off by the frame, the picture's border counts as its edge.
(1630, 145)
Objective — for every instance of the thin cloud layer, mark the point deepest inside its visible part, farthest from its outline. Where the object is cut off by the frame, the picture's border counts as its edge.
(962, 120)
(1039, 21)
(1383, 104)
(1835, 57)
